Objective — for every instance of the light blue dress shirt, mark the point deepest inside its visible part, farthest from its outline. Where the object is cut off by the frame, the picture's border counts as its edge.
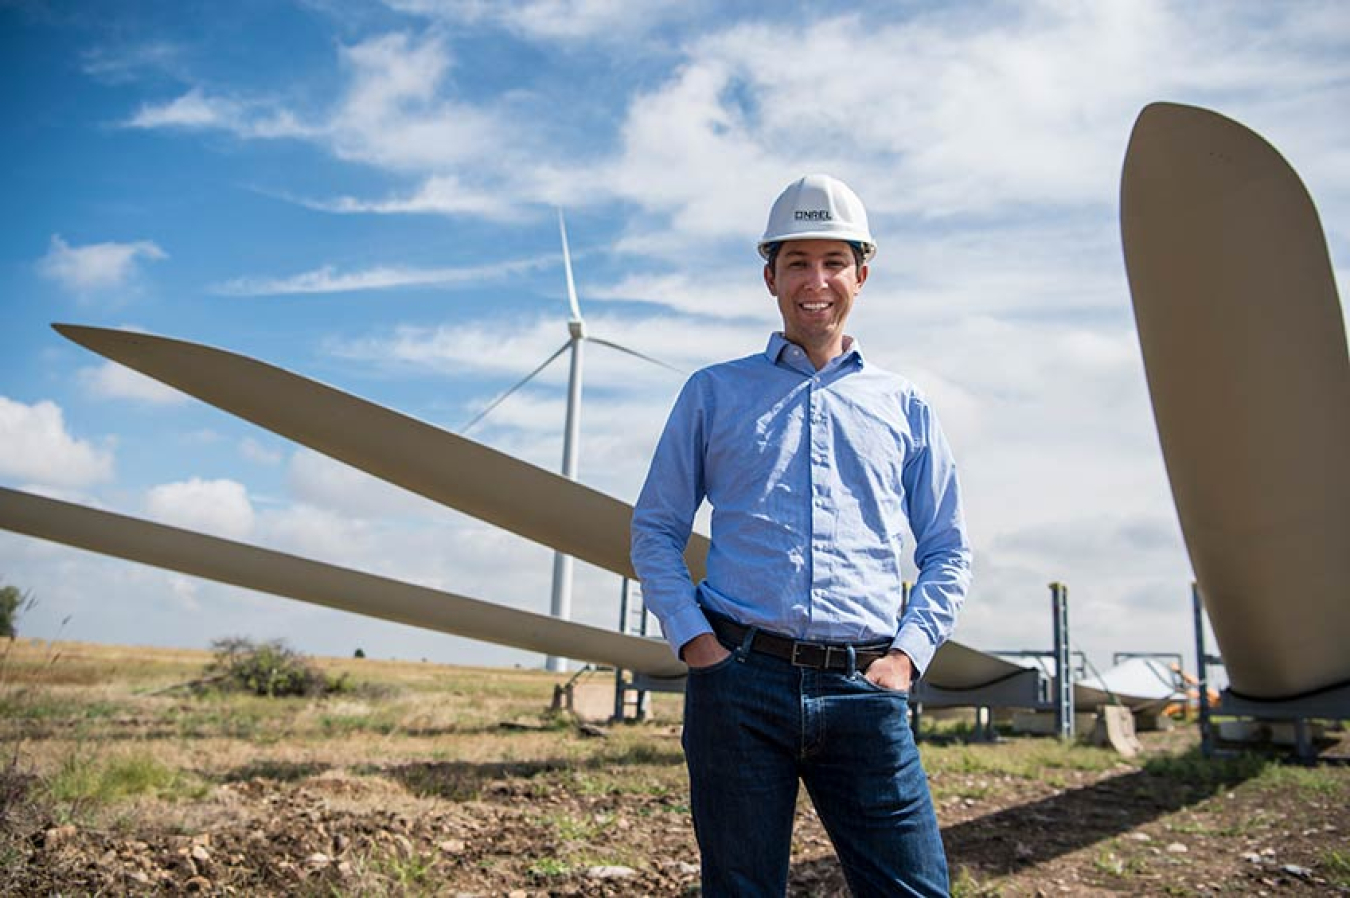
(811, 476)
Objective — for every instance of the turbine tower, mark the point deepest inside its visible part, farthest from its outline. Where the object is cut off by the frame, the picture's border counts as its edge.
(560, 605)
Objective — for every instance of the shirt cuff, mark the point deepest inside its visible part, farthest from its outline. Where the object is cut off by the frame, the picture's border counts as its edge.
(684, 626)
(916, 644)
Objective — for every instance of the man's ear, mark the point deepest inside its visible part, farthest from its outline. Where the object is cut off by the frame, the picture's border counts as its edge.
(769, 280)
(862, 276)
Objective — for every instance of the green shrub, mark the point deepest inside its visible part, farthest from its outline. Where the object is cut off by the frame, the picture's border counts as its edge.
(269, 669)
(12, 601)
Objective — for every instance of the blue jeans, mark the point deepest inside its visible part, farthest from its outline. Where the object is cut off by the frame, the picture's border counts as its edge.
(754, 726)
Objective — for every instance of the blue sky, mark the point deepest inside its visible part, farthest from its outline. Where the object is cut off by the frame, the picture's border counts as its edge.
(365, 193)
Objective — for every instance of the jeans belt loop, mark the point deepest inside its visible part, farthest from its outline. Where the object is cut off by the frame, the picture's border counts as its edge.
(746, 644)
(852, 660)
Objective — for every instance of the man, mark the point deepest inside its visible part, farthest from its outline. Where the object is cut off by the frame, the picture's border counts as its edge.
(800, 656)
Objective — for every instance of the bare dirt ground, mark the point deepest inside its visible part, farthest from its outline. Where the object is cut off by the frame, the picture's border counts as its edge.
(412, 784)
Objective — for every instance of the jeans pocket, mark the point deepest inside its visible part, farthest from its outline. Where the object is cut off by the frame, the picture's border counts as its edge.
(868, 685)
(713, 668)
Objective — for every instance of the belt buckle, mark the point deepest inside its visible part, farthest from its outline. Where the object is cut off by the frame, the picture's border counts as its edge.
(796, 653)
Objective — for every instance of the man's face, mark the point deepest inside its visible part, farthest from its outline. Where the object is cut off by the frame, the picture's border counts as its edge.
(815, 282)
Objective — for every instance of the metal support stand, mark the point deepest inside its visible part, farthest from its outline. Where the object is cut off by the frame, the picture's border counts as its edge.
(1059, 601)
(1329, 703)
(915, 703)
(622, 685)
(1202, 672)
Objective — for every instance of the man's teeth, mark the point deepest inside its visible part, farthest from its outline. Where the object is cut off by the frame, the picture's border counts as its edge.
(815, 306)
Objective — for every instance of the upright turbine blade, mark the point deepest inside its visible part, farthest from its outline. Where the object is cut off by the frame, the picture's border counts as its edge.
(251, 567)
(442, 466)
(634, 352)
(567, 266)
(1245, 350)
(520, 383)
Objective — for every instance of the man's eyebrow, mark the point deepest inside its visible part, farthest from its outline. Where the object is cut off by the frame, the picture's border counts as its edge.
(831, 253)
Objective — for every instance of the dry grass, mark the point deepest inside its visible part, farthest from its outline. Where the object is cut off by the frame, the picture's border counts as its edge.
(410, 784)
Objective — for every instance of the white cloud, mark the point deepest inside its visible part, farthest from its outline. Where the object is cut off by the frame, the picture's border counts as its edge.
(393, 117)
(192, 110)
(320, 533)
(218, 507)
(38, 448)
(986, 113)
(113, 381)
(95, 266)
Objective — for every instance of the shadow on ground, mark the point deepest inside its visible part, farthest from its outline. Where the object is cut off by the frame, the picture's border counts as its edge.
(1017, 838)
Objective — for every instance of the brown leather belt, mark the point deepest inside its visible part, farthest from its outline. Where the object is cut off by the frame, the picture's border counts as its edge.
(817, 655)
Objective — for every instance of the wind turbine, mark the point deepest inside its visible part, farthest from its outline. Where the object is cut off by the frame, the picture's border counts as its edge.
(560, 605)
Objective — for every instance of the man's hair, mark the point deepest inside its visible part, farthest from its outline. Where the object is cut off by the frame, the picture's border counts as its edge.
(776, 248)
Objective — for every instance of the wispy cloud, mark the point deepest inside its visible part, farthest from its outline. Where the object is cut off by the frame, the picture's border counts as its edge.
(438, 195)
(256, 452)
(328, 279)
(569, 20)
(95, 266)
(195, 110)
(128, 63)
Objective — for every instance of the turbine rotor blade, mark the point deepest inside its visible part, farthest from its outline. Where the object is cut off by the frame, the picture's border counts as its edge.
(278, 573)
(444, 467)
(520, 383)
(567, 266)
(634, 352)
(954, 667)
(1244, 347)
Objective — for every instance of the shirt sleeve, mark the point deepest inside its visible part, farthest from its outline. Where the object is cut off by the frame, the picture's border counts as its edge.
(941, 546)
(664, 517)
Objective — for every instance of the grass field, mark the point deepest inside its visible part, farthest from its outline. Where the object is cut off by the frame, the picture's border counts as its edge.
(430, 779)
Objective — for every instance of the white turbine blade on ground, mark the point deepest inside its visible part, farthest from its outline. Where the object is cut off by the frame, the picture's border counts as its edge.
(634, 352)
(1245, 349)
(567, 266)
(449, 469)
(238, 564)
(280, 574)
(520, 383)
(446, 468)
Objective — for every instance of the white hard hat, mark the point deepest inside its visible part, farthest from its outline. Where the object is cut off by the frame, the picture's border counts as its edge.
(818, 207)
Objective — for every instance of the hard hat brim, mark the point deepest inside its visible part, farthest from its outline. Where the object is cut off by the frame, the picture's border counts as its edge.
(868, 249)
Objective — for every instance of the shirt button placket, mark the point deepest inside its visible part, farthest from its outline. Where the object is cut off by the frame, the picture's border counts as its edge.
(819, 482)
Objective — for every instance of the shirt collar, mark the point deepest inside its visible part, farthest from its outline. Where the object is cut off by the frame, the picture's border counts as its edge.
(779, 343)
